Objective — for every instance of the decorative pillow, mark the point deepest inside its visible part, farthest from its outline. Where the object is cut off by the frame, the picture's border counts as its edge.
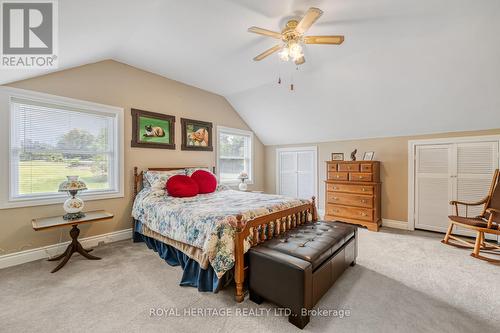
(145, 181)
(222, 187)
(181, 186)
(207, 183)
(158, 179)
(190, 171)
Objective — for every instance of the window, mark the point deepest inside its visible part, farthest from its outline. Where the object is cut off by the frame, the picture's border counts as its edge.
(49, 141)
(235, 154)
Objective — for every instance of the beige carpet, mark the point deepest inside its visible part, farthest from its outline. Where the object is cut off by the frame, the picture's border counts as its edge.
(403, 282)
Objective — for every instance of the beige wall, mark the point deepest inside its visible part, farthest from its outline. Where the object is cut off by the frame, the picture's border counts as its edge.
(393, 154)
(113, 83)
(117, 84)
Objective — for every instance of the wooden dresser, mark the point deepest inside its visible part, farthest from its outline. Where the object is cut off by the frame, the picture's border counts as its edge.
(353, 192)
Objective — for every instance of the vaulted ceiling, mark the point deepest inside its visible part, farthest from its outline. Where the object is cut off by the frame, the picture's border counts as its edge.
(406, 66)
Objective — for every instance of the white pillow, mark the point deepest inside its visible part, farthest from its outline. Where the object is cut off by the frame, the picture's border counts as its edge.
(190, 171)
(158, 179)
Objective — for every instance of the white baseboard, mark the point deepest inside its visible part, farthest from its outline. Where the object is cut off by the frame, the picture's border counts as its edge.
(17, 258)
(321, 213)
(395, 224)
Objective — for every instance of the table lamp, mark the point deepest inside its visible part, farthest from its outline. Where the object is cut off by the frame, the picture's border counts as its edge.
(73, 206)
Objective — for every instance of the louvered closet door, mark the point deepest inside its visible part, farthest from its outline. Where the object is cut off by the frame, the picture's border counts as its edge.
(296, 172)
(433, 186)
(287, 173)
(475, 165)
(457, 171)
(305, 174)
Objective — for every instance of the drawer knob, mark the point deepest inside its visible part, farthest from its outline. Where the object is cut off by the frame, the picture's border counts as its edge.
(360, 177)
(363, 201)
(362, 214)
(335, 187)
(335, 198)
(338, 176)
(363, 189)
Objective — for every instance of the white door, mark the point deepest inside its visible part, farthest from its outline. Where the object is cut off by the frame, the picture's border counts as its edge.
(296, 172)
(452, 171)
(433, 186)
(476, 163)
(306, 171)
(287, 173)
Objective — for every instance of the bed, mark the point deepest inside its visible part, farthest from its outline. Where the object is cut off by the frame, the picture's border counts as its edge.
(213, 231)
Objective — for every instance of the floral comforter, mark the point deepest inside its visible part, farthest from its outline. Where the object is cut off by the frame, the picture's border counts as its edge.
(205, 221)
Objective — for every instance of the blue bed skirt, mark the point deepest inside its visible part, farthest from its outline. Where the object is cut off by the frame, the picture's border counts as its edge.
(194, 275)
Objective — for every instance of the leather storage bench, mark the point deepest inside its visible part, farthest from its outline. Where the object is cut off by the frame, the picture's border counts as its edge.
(295, 270)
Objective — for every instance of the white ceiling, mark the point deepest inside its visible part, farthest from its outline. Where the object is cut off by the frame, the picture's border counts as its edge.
(406, 66)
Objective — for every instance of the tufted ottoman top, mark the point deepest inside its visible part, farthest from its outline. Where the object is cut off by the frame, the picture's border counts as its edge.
(313, 242)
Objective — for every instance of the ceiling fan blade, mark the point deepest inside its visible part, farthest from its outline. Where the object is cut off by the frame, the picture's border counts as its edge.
(268, 52)
(309, 18)
(300, 61)
(323, 39)
(265, 32)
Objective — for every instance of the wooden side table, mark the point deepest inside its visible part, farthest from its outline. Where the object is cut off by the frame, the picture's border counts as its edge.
(74, 246)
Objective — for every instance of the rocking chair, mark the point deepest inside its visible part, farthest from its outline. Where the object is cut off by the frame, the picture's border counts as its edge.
(486, 223)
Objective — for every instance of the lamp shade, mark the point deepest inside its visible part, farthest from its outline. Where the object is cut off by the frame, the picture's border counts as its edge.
(72, 184)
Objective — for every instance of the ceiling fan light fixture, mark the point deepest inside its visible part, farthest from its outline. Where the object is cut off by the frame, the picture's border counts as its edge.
(285, 54)
(295, 51)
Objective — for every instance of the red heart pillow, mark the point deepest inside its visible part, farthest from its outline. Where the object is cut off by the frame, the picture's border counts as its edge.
(207, 183)
(181, 186)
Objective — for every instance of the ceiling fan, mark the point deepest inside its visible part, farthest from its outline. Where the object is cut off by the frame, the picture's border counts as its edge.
(293, 37)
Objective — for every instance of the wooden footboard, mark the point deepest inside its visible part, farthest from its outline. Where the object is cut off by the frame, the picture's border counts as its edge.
(264, 228)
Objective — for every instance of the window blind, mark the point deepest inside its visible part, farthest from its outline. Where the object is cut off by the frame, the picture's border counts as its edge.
(235, 155)
(49, 142)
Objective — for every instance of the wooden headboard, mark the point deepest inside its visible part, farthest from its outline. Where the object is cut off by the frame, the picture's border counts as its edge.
(138, 175)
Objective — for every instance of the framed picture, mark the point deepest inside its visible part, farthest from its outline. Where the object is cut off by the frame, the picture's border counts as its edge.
(337, 156)
(152, 130)
(368, 156)
(196, 135)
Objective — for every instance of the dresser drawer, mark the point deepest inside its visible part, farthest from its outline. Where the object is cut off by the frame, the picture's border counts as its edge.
(348, 199)
(361, 177)
(349, 167)
(364, 214)
(348, 188)
(366, 168)
(338, 175)
(332, 166)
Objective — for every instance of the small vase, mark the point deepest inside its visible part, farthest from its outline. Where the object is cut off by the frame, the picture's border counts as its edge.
(243, 186)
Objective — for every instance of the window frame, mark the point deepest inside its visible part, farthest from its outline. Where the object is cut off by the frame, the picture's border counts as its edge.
(9, 173)
(236, 131)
